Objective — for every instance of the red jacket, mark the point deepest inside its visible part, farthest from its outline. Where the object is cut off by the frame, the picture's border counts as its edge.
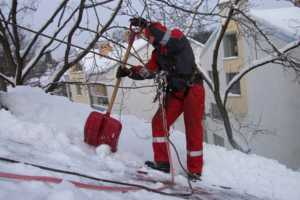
(169, 43)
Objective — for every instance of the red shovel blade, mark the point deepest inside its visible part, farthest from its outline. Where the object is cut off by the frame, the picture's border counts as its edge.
(102, 129)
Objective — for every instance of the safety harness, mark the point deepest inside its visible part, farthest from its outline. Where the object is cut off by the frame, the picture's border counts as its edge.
(196, 77)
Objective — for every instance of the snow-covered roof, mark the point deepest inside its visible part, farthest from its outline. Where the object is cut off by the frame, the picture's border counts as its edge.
(283, 23)
(224, 1)
(199, 44)
(197, 48)
(283, 20)
(47, 130)
(92, 63)
(209, 41)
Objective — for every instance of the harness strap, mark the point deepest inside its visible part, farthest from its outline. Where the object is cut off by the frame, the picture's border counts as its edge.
(191, 78)
(191, 82)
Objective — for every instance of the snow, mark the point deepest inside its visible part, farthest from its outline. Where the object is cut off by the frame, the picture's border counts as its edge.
(11, 79)
(36, 57)
(223, 1)
(47, 130)
(283, 20)
(92, 62)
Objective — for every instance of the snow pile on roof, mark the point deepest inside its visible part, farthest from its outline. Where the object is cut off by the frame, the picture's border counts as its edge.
(47, 130)
(197, 48)
(92, 63)
(283, 20)
(224, 1)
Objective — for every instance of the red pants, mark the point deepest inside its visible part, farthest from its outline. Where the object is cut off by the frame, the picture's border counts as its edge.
(193, 110)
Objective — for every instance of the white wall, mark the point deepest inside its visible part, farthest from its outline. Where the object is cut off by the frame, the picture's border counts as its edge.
(214, 126)
(272, 92)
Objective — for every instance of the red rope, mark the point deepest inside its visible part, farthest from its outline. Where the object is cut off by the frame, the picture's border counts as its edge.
(58, 180)
(165, 125)
(94, 187)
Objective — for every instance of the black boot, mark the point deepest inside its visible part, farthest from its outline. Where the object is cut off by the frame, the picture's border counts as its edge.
(194, 175)
(160, 166)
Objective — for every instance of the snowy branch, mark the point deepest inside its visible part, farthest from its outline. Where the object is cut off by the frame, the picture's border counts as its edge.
(261, 62)
(187, 31)
(56, 76)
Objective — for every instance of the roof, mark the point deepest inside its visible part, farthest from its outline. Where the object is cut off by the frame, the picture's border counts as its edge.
(210, 40)
(224, 1)
(280, 21)
(284, 23)
(92, 63)
(199, 44)
(197, 48)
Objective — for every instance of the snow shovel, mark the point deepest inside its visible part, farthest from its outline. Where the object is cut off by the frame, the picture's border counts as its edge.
(101, 128)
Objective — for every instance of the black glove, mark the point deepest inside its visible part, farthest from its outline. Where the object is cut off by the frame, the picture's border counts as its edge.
(138, 21)
(122, 72)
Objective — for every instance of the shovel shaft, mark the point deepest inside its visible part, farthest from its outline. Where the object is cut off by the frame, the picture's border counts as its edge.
(131, 40)
(113, 96)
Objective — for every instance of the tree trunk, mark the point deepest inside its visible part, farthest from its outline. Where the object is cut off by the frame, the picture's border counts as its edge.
(2, 82)
(232, 140)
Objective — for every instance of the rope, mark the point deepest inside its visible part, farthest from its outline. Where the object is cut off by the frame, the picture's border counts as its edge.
(133, 187)
(168, 141)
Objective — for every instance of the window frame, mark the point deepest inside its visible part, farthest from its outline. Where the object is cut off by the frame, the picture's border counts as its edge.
(96, 99)
(205, 138)
(211, 76)
(218, 140)
(78, 67)
(226, 54)
(218, 117)
(78, 90)
(237, 84)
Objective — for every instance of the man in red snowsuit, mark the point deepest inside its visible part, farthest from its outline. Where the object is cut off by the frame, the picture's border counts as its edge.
(173, 53)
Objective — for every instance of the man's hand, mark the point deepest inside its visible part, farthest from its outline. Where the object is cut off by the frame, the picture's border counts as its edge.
(138, 21)
(122, 72)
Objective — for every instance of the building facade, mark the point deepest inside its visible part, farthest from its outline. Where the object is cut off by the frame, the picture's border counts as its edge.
(266, 96)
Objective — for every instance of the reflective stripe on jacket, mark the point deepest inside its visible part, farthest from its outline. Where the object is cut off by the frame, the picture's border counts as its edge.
(174, 43)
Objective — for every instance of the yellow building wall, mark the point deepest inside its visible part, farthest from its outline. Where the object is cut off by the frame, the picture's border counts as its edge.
(83, 98)
(237, 104)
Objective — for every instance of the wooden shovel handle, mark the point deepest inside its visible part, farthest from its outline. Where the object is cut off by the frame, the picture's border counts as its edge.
(113, 96)
(131, 39)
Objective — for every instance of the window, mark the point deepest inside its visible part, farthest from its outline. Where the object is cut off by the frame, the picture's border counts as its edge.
(204, 117)
(210, 74)
(102, 101)
(67, 78)
(205, 136)
(216, 112)
(230, 45)
(78, 88)
(236, 88)
(219, 141)
(78, 67)
(99, 97)
(70, 92)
